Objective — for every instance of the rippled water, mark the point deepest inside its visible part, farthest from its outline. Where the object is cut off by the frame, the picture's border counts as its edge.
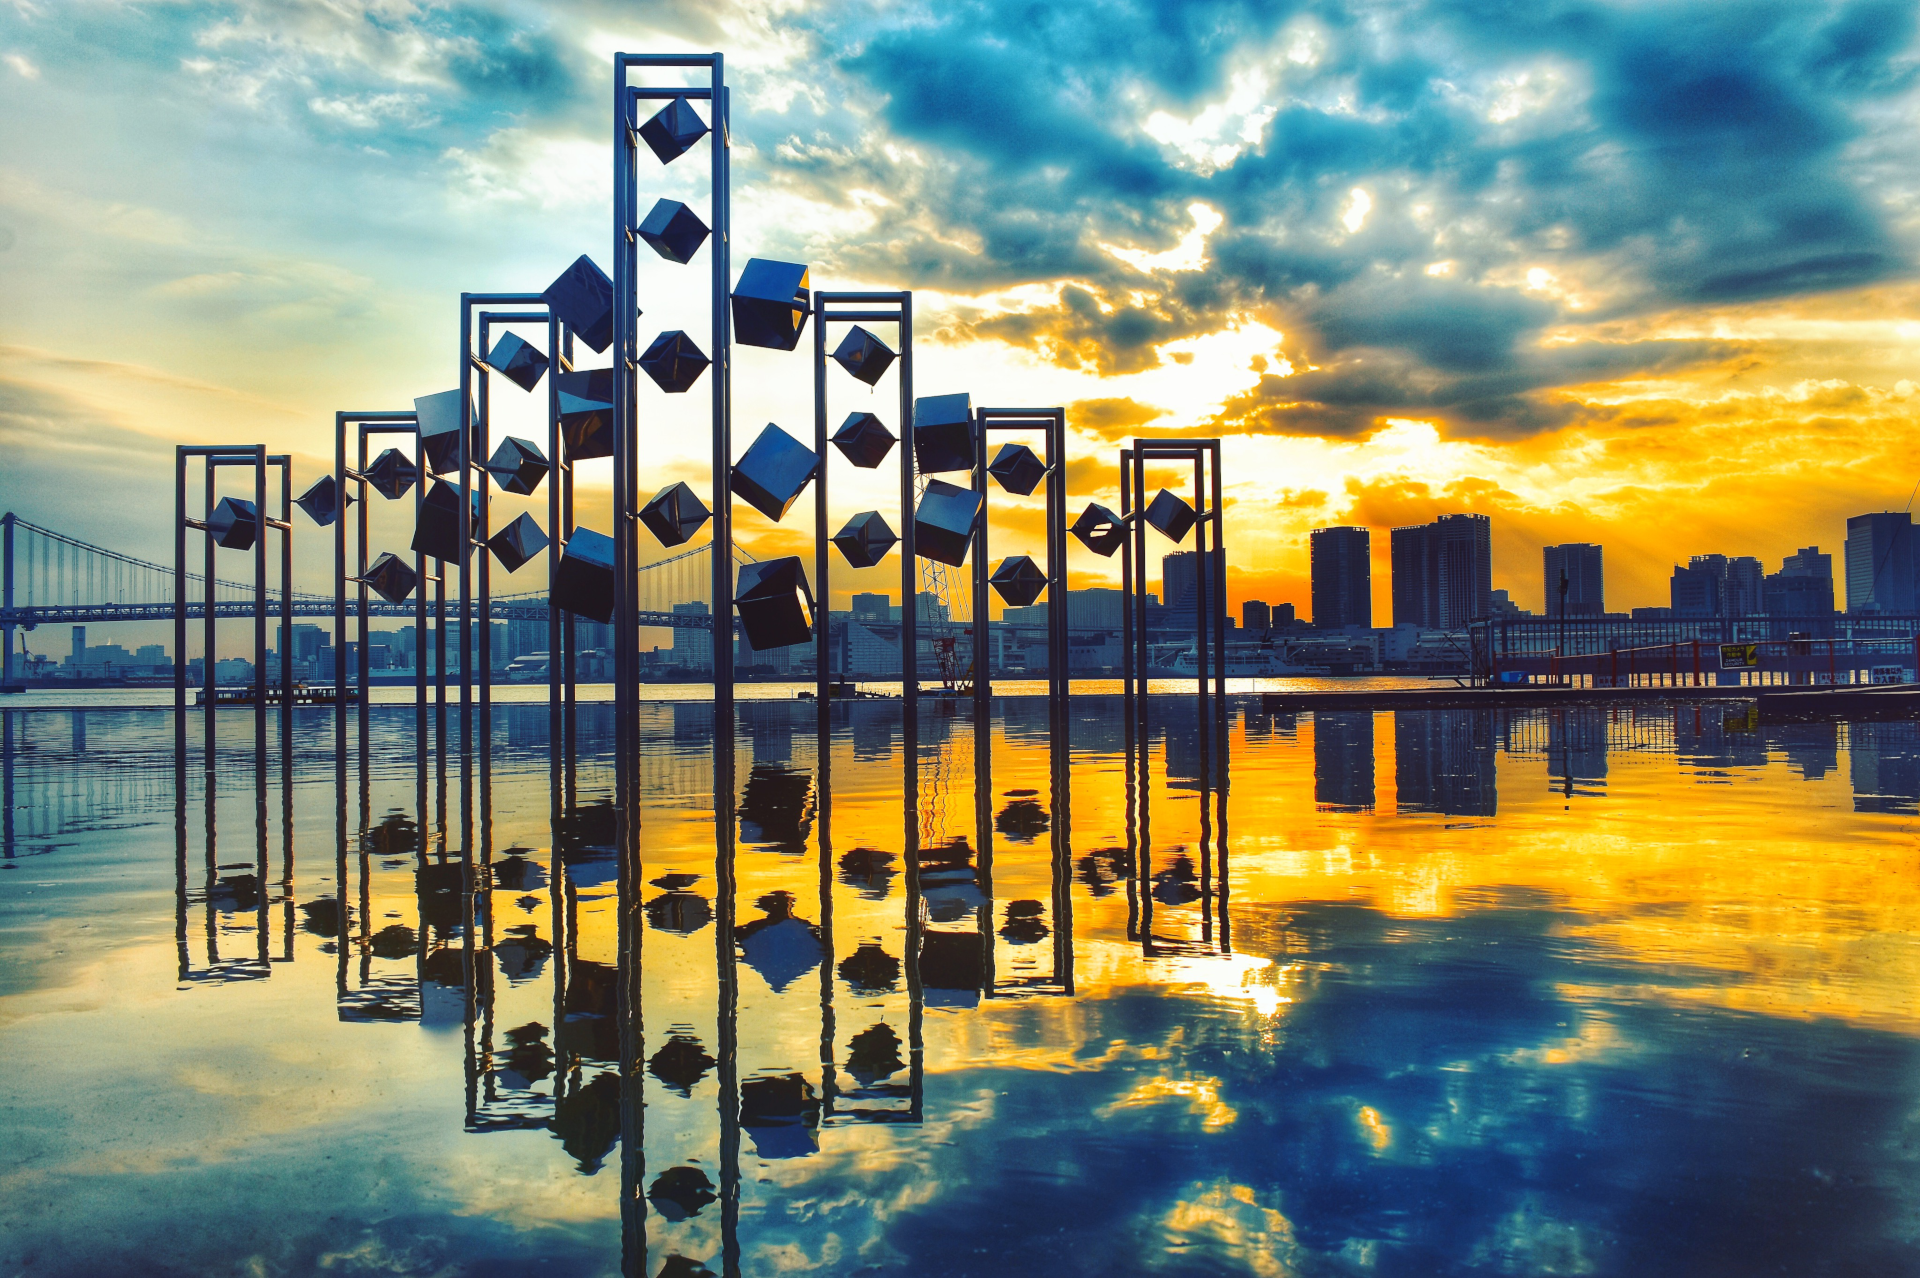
(1552, 992)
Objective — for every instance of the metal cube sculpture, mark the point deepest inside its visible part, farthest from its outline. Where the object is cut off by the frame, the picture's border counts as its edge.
(392, 578)
(1171, 516)
(1018, 580)
(584, 584)
(234, 524)
(517, 543)
(770, 304)
(583, 299)
(1017, 468)
(322, 502)
(518, 360)
(586, 412)
(673, 130)
(774, 472)
(674, 362)
(865, 540)
(674, 231)
(439, 419)
(768, 597)
(943, 433)
(518, 466)
(438, 533)
(864, 355)
(1099, 530)
(392, 474)
(943, 522)
(675, 514)
(864, 440)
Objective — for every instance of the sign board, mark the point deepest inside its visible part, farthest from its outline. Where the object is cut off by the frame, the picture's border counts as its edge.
(1739, 656)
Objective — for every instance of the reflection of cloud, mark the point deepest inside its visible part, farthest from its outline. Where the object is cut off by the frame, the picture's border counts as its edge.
(1202, 1096)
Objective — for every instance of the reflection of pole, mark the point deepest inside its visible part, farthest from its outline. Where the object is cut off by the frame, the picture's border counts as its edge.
(179, 821)
(726, 801)
(823, 815)
(916, 999)
(983, 823)
(1060, 755)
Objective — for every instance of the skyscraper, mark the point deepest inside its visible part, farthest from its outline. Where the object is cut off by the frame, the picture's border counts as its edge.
(1586, 583)
(1342, 577)
(1443, 572)
(1255, 616)
(1880, 562)
(1802, 588)
(1180, 580)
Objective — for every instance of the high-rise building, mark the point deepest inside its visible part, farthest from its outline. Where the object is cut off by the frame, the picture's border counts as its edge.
(1180, 583)
(1579, 563)
(1282, 615)
(871, 607)
(692, 649)
(1808, 562)
(1879, 558)
(1694, 591)
(1802, 588)
(1342, 571)
(1255, 615)
(1443, 572)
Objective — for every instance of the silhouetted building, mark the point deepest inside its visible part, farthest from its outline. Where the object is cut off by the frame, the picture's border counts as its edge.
(1180, 587)
(1579, 562)
(1884, 765)
(1343, 760)
(1443, 572)
(1880, 563)
(1718, 586)
(1255, 615)
(1808, 562)
(1694, 592)
(1342, 577)
(871, 607)
(1443, 762)
(1802, 588)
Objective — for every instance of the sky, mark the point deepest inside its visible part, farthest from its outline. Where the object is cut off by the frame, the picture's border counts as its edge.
(1640, 274)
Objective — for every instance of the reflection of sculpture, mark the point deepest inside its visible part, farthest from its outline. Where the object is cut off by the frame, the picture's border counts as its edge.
(870, 969)
(874, 1054)
(868, 869)
(680, 1192)
(782, 1114)
(781, 947)
(681, 1063)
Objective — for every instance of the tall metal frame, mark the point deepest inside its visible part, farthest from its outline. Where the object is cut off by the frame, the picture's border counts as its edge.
(1210, 604)
(370, 423)
(1052, 422)
(560, 631)
(214, 457)
(867, 308)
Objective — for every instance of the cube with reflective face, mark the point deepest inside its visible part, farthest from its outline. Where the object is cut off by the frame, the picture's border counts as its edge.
(1100, 530)
(675, 514)
(674, 231)
(1018, 580)
(1017, 468)
(584, 584)
(864, 355)
(586, 412)
(520, 362)
(768, 596)
(322, 502)
(392, 474)
(1170, 515)
(944, 521)
(439, 418)
(943, 433)
(517, 543)
(673, 129)
(770, 304)
(392, 577)
(674, 362)
(234, 524)
(518, 466)
(774, 472)
(583, 299)
(438, 533)
(865, 540)
(864, 440)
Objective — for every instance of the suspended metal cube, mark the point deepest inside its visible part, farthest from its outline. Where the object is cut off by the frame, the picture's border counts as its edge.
(517, 543)
(673, 129)
(439, 418)
(1018, 580)
(518, 466)
(774, 472)
(770, 304)
(943, 433)
(768, 596)
(674, 362)
(865, 540)
(438, 532)
(674, 231)
(521, 362)
(235, 524)
(392, 474)
(586, 412)
(1170, 515)
(583, 299)
(392, 578)
(584, 584)
(675, 514)
(1099, 530)
(864, 440)
(1018, 469)
(322, 502)
(864, 355)
(943, 522)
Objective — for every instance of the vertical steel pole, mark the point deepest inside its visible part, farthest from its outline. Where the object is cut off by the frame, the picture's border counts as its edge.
(1058, 604)
(179, 602)
(1202, 614)
(340, 596)
(554, 539)
(6, 655)
(982, 657)
(420, 596)
(285, 462)
(210, 683)
(822, 566)
(362, 664)
(722, 400)
(260, 628)
(464, 524)
(484, 395)
(909, 552)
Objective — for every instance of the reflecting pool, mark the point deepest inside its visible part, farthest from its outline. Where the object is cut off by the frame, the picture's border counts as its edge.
(1580, 991)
